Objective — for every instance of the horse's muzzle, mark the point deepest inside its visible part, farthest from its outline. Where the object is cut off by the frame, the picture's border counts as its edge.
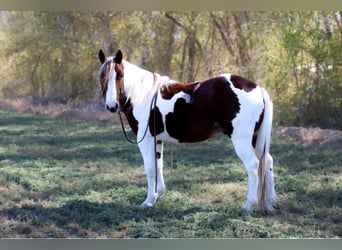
(113, 109)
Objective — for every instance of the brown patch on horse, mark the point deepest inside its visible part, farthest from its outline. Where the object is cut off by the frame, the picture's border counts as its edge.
(155, 122)
(167, 92)
(104, 76)
(257, 126)
(119, 67)
(158, 154)
(212, 108)
(127, 108)
(119, 70)
(124, 102)
(242, 83)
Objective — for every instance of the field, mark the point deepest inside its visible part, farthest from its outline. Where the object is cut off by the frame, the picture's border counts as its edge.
(68, 178)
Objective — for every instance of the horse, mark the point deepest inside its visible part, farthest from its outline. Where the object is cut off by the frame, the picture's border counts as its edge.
(159, 109)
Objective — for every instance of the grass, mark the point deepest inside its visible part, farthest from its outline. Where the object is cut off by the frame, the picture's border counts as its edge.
(64, 178)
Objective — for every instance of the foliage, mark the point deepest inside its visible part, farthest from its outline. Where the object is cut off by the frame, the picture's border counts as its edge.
(313, 43)
(62, 178)
(52, 56)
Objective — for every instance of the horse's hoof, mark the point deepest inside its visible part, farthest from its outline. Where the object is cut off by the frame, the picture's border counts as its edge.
(270, 209)
(145, 206)
(247, 207)
(160, 194)
(245, 210)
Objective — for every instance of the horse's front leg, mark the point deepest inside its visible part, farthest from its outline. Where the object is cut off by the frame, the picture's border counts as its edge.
(160, 176)
(149, 155)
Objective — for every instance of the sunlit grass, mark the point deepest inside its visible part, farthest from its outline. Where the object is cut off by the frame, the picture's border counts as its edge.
(62, 178)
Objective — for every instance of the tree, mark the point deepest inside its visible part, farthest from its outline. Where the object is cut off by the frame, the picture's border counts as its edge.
(295, 55)
(313, 43)
(240, 34)
(188, 24)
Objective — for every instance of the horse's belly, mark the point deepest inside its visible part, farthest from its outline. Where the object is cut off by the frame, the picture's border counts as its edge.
(188, 126)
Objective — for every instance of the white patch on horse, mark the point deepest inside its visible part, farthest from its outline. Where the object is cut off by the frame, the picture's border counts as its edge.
(251, 106)
(167, 106)
(111, 101)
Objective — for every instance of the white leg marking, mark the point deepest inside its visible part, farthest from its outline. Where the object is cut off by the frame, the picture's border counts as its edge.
(243, 148)
(160, 178)
(271, 194)
(147, 150)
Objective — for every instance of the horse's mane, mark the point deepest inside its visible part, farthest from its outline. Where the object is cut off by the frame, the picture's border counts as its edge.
(140, 83)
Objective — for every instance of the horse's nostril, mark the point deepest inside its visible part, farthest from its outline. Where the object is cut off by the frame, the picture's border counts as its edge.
(107, 107)
(113, 109)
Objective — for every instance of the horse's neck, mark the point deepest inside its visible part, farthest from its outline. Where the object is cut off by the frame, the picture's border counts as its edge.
(127, 108)
(139, 83)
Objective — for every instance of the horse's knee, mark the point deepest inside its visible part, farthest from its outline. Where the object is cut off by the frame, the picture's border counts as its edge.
(251, 165)
(269, 165)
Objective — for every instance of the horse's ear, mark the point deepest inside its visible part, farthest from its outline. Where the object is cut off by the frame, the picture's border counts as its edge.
(102, 56)
(118, 57)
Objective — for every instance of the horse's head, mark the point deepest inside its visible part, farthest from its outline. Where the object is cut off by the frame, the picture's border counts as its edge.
(111, 79)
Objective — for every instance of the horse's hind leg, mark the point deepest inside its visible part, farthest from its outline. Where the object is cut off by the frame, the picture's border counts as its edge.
(271, 194)
(243, 148)
(147, 150)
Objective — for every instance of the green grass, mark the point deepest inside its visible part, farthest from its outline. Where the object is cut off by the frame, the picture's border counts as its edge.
(61, 178)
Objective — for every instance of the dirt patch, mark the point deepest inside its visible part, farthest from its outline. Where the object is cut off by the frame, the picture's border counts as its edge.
(91, 110)
(310, 136)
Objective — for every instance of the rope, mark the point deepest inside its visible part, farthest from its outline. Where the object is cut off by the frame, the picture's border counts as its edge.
(145, 132)
(152, 106)
(155, 142)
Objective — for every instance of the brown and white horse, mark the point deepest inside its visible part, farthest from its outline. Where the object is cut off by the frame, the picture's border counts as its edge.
(159, 109)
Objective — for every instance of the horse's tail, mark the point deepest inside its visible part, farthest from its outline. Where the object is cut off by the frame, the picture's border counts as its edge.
(262, 146)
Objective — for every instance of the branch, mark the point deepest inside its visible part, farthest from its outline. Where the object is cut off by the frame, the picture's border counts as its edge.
(223, 35)
(173, 19)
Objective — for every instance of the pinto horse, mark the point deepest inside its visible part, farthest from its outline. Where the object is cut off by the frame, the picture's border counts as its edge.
(159, 109)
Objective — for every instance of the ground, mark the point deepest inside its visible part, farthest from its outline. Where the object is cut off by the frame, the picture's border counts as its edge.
(66, 171)
(94, 110)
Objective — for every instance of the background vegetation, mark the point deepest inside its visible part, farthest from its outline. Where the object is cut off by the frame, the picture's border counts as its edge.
(52, 56)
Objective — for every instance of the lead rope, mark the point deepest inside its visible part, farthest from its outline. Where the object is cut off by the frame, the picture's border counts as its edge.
(152, 106)
(171, 156)
(155, 143)
(145, 132)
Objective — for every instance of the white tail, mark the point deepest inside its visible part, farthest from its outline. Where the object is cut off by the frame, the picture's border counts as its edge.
(263, 146)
